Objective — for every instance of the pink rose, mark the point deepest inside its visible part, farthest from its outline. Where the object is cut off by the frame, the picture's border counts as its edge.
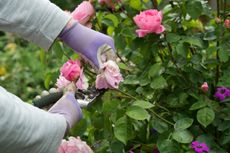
(74, 145)
(149, 21)
(83, 13)
(82, 82)
(110, 77)
(204, 87)
(227, 23)
(62, 82)
(71, 70)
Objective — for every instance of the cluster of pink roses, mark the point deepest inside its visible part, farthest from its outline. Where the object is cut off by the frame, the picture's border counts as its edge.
(71, 71)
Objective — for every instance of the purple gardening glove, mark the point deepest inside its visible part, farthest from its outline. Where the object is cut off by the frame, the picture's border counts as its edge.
(68, 106)
(90, 44)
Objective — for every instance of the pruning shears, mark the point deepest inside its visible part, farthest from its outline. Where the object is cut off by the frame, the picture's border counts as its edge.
(84, 97)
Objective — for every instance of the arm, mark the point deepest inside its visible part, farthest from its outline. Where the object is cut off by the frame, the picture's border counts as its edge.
(38, 21)
(27, 129)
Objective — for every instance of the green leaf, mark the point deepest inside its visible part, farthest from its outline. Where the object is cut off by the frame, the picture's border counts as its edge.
(158, 83)
(183, 123)
(193, 41)
(158, 125)
(122, 129)
(42, 56)
(194, 8)
(131, 79)
(205, 116)
(172, 37)
(48, 78)
(137, 113)
(182, 49)
(197, 105)
(168, 146)
(113, 18)
(183, 136)
(136, 4)
(224, 55)
(155, 70)
(143, 104)
(57, 49)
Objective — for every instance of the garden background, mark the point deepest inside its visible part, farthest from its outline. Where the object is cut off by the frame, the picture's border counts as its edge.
(160, 105)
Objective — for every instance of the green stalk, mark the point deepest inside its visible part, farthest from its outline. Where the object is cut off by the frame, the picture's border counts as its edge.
(163, 119)
(155, 4)
(217, 46)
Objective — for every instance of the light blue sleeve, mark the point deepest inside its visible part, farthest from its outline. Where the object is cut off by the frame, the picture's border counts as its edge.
(38, 21)
(27, 129)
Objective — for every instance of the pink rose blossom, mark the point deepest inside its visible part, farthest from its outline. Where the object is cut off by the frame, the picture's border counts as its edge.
(83, 13)
(74, 145)
(149, 21)
(227, 23)
(204, 87)
(71, 70)
(110, 77)
(82, 82)
(62, 82)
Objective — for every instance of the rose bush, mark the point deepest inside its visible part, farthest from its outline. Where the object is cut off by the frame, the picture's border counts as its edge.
(162, 104)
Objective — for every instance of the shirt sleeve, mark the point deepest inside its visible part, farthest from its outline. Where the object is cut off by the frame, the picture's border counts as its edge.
(38, 21)
(27, 129)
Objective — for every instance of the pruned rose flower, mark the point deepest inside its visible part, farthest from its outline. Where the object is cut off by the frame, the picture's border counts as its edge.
(74, 145)
(71, 70)
(110, 77)
(149, 21)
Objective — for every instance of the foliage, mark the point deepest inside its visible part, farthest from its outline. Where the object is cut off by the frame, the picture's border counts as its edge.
(160, 103)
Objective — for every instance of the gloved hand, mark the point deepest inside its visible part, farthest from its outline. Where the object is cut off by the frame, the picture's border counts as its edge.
(88, 43)
(69, 108)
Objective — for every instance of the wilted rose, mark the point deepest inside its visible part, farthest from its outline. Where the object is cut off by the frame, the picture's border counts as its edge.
(74, 145)
(71, 70)
(149, 21)
(110, 77)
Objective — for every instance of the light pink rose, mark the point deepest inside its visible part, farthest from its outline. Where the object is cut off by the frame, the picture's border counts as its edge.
(227, 23)
(71, 70)
(149, 21)
(74, 145)
(110, 77)
(82, 82)
(62, 82)
(204, 87)
(83, 13)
